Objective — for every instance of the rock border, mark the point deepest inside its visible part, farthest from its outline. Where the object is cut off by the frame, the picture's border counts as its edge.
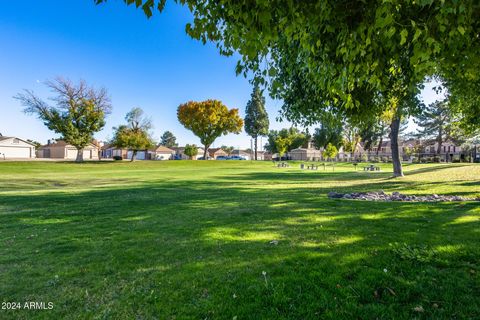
(397, 196)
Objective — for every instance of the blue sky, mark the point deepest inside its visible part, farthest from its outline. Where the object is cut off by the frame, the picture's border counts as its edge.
(151, 64)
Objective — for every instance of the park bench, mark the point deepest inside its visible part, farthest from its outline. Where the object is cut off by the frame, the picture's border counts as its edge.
(371, 168)
(312, 167)
(282, 165)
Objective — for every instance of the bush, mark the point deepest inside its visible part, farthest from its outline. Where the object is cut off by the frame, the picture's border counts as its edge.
(117, 158)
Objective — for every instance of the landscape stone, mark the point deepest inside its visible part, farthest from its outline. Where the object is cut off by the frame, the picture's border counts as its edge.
(397, 196)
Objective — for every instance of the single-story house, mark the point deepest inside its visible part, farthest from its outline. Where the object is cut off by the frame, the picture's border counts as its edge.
(216, 152)
(109, 151)
(180, 152)
(161, 153)
(62, 150)
(266, 156)
(16, 148)
(305, 154)
(244, 154)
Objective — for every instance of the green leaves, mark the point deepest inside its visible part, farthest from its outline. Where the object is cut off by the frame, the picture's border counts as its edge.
(80, 111)
(209, 119)
(403, 36)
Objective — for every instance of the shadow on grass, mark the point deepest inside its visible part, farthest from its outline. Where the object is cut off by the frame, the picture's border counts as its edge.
(193, 249)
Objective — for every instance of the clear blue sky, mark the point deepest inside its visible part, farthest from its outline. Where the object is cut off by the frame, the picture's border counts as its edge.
(151, 64)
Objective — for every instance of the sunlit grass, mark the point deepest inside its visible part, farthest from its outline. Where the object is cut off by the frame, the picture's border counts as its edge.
(225, 239)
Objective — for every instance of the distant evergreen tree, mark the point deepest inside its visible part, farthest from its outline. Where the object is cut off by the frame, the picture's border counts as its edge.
(436, 124)
(256, 117)
(168, 140)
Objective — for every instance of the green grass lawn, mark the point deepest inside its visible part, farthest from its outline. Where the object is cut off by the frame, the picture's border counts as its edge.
(191, 240)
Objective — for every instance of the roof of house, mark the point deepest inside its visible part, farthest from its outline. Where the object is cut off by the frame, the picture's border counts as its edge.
(163, 149)
(6, 138)
(213, 151)
(61, 143)
(181, 149)
(244, 152)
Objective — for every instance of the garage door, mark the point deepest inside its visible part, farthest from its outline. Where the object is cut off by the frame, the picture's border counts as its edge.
(140, 155)
(71, 153)
(15, 152)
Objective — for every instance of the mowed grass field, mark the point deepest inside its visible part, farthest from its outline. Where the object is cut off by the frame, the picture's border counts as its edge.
(192, 240)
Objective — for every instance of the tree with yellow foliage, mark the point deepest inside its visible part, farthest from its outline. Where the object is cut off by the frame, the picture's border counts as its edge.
(209, 120)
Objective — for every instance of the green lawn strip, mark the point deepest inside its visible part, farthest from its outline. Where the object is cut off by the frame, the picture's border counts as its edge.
(192, 239)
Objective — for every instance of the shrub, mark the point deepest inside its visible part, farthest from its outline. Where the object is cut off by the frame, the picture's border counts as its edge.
(117, 158)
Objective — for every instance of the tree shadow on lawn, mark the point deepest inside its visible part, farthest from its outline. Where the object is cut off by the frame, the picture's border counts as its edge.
(374, 182)
(192, 249)
(435, 168)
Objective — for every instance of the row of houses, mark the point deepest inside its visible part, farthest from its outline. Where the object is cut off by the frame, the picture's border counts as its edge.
(409, 149)
(174, 153)
(16, 148)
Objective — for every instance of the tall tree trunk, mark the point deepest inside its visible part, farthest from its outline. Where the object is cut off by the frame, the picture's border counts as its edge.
(354, 148)
(439, 142)
(379, 145)
(205, 152)
(79, 155)
(134, 155)
(394, 130)
(256, 147)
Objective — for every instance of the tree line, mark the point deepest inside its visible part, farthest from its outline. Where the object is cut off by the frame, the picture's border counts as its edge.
(79, 112)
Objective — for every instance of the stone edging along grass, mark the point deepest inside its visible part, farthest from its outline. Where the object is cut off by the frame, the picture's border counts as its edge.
(397, 196)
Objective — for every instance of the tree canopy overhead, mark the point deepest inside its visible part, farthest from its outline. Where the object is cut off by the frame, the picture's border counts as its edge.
(349, 57)
(343, 45)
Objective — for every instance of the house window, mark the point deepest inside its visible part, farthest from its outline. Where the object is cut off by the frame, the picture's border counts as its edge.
(453, 148)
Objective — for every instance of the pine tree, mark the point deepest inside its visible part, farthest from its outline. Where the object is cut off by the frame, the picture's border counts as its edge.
(256, 117)
(435, 123)
(168, 140)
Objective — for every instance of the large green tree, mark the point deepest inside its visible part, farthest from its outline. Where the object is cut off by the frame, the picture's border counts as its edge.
(136, 134)
(256, 117)
(329, 132)
(354, 56)
(209, 120)
(294, 139)
(79, 111)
